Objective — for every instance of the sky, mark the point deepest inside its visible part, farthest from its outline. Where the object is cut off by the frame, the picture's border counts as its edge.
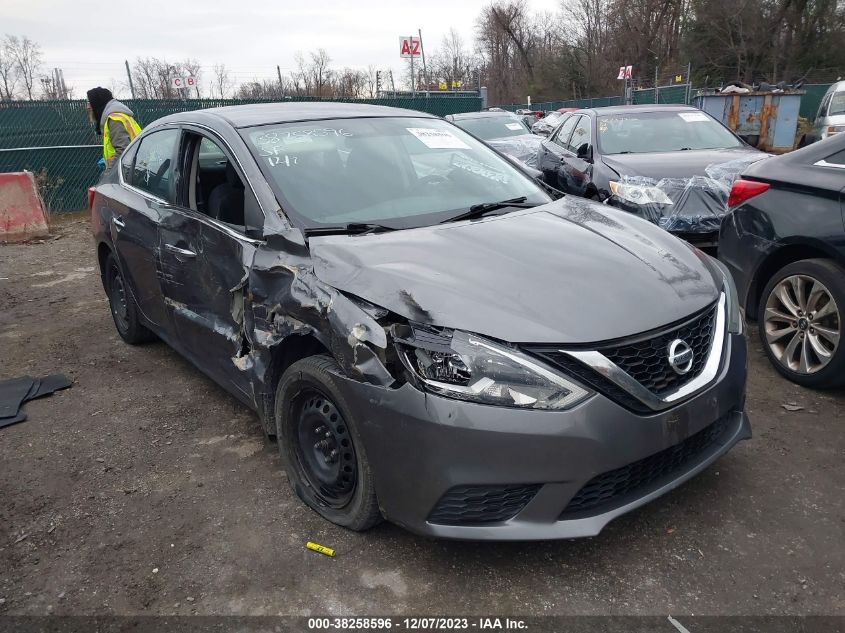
(89, 41)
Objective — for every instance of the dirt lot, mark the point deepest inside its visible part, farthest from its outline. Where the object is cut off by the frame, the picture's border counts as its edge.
(146, 489)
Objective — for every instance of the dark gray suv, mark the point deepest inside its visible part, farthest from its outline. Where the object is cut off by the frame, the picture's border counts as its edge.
(430, 337)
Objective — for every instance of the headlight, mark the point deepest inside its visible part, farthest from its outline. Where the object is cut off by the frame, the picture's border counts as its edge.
(736, 319)
(469, 367)
(639, 194)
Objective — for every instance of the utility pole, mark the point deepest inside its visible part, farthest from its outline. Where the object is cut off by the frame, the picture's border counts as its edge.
(279, 73)
(425, 72)
(378, 83)
(656, 80)
(689, 82)
(413, 92)
(129, 76)
(392, 85)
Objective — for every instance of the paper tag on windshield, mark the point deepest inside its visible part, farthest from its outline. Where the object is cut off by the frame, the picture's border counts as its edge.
(514, 126)
(437, 139)
(690, 117)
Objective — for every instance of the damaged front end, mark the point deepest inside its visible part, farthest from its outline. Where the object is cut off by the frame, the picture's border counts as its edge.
(692, 206)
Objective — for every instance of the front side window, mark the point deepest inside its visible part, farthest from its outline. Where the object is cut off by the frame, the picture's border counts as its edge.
(153, 168)
(562, 135)
(401, 172)
(580, 139)
(488, 128)
(669, 131)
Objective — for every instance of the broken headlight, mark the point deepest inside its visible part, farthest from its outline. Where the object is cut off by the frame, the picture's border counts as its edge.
(469, 367)
(639, 194)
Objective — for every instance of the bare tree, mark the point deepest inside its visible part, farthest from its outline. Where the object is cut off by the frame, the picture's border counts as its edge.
(26, 55)
(8, 71)
(319, 69)
(190, 68)
(221, 84)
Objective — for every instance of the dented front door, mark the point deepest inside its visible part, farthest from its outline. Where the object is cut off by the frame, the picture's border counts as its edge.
(201, 269)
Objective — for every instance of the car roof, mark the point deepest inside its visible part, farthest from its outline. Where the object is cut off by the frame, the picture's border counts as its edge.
(462, 116)
(652, 107)
(266, 113)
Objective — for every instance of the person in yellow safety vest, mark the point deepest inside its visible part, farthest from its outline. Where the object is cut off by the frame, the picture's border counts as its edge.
(114, 123)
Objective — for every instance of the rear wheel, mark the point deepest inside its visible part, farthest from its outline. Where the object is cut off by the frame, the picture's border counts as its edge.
(319, 441)
(127, 320)
(800, 317)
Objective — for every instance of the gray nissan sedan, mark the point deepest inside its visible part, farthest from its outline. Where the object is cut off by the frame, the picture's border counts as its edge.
(430, 337)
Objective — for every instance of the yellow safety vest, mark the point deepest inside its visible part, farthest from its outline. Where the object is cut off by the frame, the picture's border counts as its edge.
(132, 128)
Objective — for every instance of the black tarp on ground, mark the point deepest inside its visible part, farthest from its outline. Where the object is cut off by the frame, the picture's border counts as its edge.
(16, 391)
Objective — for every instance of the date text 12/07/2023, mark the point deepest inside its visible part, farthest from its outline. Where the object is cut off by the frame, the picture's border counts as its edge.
(417, 624)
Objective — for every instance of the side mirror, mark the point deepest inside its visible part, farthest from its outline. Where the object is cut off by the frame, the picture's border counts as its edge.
(585, 153)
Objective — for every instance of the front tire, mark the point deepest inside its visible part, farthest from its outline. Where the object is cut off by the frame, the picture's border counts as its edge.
(800, 318)
(323, 452)
(127, 320)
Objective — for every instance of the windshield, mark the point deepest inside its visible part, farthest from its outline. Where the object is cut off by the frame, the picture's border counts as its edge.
(399, 172)
(494, 127)
(837, 104)
(644, 132)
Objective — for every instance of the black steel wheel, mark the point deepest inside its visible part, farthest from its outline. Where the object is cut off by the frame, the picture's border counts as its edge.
(122, 305)
(324, 455)
(324, 449)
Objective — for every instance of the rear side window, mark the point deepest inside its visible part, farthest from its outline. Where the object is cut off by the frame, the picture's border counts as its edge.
(837, 104)
(127, 162)
(153, 167)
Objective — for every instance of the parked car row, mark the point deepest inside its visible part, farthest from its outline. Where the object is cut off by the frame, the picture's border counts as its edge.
(778, 222)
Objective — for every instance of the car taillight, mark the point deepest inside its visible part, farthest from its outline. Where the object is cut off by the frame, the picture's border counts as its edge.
(743, 190)
(91, 192)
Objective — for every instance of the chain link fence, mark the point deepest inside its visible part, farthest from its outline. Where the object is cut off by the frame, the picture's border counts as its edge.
(676, 93)
(56, 141)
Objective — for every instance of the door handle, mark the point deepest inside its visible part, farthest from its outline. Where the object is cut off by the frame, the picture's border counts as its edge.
(180, 252)
(119, 223)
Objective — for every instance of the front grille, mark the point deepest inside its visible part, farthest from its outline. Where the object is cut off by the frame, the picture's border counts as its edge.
(473, 505)
(605, 491)
(647, 361)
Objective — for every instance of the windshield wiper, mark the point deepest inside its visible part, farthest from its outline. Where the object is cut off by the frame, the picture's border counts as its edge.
(353, 228)
(477, 210)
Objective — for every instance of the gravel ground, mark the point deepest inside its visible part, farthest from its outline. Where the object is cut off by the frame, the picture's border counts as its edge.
(146, 489)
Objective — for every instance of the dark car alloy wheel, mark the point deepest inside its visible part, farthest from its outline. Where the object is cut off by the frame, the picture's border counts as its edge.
(802, 324)
(324, 449)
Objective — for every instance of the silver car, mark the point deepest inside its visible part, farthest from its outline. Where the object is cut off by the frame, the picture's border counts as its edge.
(830, 119)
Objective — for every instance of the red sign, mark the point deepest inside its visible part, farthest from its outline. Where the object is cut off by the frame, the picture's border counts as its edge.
(410, 47)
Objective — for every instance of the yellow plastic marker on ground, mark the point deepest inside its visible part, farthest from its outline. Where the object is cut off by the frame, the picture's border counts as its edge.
(328, 551)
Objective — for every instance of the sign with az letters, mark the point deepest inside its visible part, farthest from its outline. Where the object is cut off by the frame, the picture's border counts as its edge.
(409, 47)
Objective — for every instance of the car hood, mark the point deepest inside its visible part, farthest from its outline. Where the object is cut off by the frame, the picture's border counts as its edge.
(571, 271)
(675, 164)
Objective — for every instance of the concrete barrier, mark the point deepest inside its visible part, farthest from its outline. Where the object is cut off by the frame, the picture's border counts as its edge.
(21, 212)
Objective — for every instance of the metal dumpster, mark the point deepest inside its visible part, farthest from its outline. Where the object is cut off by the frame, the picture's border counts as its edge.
(767, 120)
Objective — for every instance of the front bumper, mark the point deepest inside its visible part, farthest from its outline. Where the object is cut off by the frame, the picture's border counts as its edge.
(421, 446)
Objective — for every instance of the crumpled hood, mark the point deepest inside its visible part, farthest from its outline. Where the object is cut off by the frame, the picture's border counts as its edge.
(675, 164)
(571, 271)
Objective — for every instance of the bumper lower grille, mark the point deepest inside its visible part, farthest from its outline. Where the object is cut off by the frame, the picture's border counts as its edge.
(605, 491)
(473, 505)
(647, 360)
